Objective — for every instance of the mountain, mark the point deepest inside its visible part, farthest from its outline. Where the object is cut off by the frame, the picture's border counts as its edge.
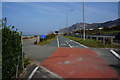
(79, 26)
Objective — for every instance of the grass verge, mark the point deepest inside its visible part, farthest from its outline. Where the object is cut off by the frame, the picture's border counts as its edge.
(26, 62)
(93, 43)
(47, 41)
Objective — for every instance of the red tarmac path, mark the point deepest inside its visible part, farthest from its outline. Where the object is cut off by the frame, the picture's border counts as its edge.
(78, 63)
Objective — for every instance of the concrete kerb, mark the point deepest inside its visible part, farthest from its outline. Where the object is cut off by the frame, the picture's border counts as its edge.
(52, 73)
(57, 76)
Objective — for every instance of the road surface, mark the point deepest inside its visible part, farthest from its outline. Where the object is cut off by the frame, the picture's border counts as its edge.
(37, 53)
(60, 47)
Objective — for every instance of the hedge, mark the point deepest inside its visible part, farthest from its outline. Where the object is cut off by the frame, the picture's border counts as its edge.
(11, 50)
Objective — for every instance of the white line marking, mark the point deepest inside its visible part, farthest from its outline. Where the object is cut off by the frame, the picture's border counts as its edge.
(50, 72)
(69, 44)
(58, 42)
(33, 72)
(63, 44)
(116, 54)
(80, 44)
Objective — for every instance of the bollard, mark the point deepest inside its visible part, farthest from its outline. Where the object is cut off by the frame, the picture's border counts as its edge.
(111, 40)
(81, 36)
(90, 37)
(38, 39)
(97, 38)
(103, 40)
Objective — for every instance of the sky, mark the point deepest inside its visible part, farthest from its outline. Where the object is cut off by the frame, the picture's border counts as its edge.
(44, 17)
(59, 0)
(0, 10)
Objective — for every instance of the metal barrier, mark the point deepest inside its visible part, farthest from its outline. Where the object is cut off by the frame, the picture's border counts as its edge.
(105, 39)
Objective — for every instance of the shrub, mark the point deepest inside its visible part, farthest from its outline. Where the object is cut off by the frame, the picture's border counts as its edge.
(26, 62)
(48, 36)
(11, 50)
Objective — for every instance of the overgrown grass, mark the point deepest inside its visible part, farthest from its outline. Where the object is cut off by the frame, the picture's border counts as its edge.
(26, 62)
(113, 32)
(93, 43)
(47, 40)
(25, 40)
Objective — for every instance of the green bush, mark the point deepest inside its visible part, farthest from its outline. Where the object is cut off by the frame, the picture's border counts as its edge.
(48, 36)
(47, 40)
(26, 62)
(11, 50)
(65, 34)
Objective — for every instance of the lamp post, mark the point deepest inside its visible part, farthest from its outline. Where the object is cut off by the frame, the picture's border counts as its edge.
(83, 22)
(67, 17)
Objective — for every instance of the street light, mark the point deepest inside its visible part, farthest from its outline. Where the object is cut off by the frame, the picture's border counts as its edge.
(67, 17)
(83, 22)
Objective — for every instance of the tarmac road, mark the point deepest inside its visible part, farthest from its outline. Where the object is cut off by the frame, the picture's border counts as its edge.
(65, 42)
(37, 53)
(41, 53)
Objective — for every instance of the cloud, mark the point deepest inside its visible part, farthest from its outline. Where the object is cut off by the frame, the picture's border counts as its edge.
(60, 0)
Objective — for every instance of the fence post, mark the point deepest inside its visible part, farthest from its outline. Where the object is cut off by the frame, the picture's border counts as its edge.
(22, 52)
(17, 67)
(17, 70)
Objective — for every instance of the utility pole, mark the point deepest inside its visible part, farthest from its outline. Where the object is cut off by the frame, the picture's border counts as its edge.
(83, 22)
(66, 19)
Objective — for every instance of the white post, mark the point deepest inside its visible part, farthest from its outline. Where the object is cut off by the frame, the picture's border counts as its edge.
(66, 19)
(90, 37)
(83, 22)
(86, 36)
(38, 39)
(97, 38)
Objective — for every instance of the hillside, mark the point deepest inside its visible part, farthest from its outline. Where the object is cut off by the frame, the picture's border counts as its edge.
(79, 26)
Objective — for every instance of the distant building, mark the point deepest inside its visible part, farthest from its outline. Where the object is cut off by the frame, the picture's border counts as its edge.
(77, 33)
(91, 29)
(100, 28)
